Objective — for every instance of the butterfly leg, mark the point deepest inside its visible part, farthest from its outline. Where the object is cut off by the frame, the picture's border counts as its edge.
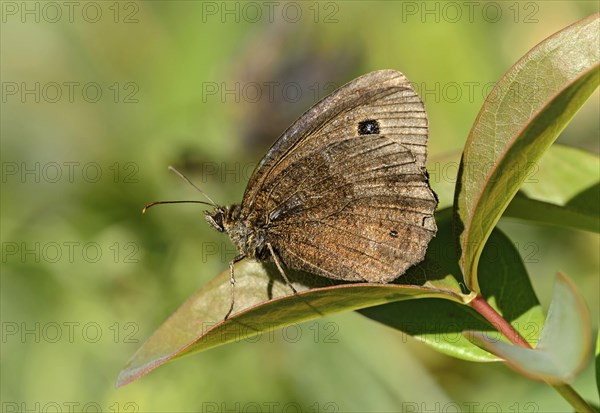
(232, 282)
(279, 267)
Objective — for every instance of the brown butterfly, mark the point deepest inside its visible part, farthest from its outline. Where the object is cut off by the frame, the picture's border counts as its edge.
(344, 192)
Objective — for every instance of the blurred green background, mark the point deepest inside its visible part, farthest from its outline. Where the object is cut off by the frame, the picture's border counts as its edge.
(98, 98)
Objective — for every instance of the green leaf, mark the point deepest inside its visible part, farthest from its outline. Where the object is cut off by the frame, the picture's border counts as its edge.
(524, 114)
(264, 302)
(440, 323)
(540, 212)
(562, 175)
(564, 344)
(562, 189)
(598, 363)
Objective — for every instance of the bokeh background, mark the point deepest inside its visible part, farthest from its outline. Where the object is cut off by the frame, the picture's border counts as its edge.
(98, 98)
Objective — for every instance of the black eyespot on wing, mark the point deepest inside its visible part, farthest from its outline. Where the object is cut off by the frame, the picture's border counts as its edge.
(394, 234)
(368, 127)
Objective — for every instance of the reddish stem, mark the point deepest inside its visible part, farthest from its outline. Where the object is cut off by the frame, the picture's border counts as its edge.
(503, 326)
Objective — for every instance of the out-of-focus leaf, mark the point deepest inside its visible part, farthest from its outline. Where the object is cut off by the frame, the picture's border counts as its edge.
(564, 344)
(540, 212)
(561, 175)
(443, 170)
(598, 363)
(562, 189)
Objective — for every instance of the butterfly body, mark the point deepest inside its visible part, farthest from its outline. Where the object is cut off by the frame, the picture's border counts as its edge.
(344, 192)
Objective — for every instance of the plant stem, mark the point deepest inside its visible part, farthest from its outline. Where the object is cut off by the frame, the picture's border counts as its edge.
(574, 399)
(503, 326)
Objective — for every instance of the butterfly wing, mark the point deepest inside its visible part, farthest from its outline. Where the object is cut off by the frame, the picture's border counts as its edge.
(343, 193)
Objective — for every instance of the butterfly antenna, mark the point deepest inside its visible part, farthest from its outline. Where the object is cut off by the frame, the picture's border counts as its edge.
(185, 178)
(173, 202)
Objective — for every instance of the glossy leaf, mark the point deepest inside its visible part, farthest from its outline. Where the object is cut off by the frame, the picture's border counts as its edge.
(564, 344)
(524, 114)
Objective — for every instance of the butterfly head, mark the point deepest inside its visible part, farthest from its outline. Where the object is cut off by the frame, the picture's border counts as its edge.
(222, 218)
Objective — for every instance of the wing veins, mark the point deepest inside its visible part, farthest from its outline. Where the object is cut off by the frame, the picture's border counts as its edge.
(299, 186)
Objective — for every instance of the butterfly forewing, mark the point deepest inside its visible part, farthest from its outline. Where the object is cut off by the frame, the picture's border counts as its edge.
(385, 92)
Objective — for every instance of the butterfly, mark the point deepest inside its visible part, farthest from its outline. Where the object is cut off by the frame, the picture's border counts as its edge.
(344, 192)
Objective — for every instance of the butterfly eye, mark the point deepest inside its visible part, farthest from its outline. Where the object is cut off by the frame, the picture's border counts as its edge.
(218, 217)
(368, 127)
(215, 220)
